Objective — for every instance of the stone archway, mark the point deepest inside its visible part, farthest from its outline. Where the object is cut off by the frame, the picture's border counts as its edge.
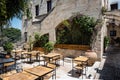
(61, 32)
(113, 26)
(75, 30)
(114, 34)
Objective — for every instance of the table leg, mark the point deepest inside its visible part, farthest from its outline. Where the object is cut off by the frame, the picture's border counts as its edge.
(15, 58)
(72, 67)
(41, 78)
(30, 58)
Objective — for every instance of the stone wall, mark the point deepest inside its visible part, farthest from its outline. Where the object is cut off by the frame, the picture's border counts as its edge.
(63, 10)
(69, 53)
(98, 38)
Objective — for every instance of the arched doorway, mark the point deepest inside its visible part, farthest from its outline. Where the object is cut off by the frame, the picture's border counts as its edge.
(113, 26)
(114, 32)
(76, 30)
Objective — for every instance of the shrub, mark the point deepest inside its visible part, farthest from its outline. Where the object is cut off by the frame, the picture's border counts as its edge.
(103, 10)
(49, 46)
(8, 46)
(40, 41)
(76, 30)
(106, 41)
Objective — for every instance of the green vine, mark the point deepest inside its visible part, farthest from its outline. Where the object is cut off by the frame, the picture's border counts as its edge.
(77, 30)
(103, 10)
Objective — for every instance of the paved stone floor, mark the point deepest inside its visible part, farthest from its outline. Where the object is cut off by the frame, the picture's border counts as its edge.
(63, 72)
(111, 67)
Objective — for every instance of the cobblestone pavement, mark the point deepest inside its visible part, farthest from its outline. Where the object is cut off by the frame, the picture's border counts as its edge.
(111, 68)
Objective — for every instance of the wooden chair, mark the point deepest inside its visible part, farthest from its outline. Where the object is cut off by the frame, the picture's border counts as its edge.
(80, 68)
(77, 65)
(62, 55)
(24, 55)
(41, 58)
(56, 60)
(53, 74)
(34, 55)
(8, 66)
(1, 69)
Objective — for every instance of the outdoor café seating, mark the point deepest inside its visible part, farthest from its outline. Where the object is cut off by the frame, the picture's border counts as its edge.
(79, 63)
(19, 76)
(41, 58)
(51, 58)
(53, 74)
(8, 66)
(40, 71)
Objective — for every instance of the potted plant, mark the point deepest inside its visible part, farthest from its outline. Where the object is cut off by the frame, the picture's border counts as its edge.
(8, 46)
(49, 46)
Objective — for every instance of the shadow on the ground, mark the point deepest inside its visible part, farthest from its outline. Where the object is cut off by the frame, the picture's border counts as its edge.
(75, 73)
(110, 69)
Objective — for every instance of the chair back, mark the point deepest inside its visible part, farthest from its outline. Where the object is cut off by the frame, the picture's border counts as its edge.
(9, 64)
(51, 65)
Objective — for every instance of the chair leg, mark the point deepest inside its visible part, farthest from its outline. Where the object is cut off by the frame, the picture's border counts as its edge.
(63, 61)
(55, 74)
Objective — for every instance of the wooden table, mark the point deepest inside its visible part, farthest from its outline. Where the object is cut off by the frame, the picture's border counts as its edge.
(17, 52)
(20, 76)
(30, 54)
(80, 59)
(40, 71)
(51, 56)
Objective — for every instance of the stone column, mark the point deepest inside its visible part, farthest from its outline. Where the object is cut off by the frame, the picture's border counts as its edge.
(52, 35)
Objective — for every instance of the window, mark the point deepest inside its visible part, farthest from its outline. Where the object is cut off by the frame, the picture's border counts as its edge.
(114, 6)
(113, 33)
(49, 5)
(37, 10)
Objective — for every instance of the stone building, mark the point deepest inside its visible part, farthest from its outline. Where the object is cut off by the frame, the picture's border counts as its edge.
(46, 15)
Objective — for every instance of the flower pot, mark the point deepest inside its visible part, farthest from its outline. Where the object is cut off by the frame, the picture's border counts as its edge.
(7, 56)
(92, 57)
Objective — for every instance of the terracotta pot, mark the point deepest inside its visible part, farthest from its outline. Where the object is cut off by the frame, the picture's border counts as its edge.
(91, 54)
(7, 56)
(92, 57)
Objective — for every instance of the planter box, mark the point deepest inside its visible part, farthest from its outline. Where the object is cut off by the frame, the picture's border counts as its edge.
(73, 47)
(39, 49)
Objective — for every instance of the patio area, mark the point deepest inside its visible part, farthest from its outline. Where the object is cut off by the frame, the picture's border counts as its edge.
(63, 72)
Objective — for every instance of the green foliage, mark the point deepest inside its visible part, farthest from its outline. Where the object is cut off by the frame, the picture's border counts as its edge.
(10, 9)
(63, 36)
(106, 41)
(8, 46)
(37, 37)
(78, 30)
(12, 34)
(40, 41)
(27, 11)
(37, 40)
(49, 46)
(103, 10)
(44, 39)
